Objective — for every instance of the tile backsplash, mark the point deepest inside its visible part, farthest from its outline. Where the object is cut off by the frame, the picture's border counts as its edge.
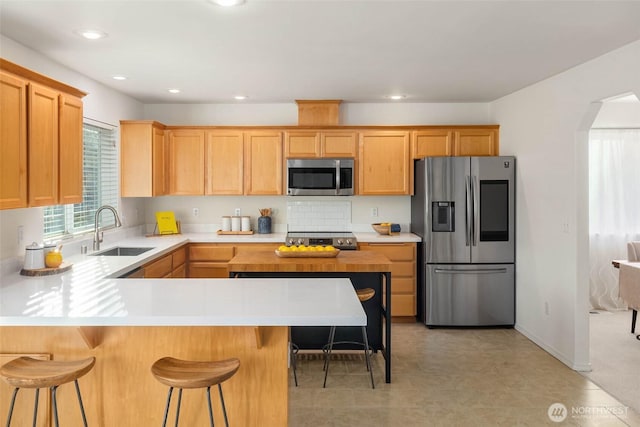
(319, 216)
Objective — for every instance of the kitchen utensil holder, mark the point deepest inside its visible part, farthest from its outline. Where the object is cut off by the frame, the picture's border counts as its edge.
(264, 225)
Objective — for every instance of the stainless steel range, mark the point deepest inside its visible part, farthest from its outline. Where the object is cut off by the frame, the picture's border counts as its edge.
(343, 240)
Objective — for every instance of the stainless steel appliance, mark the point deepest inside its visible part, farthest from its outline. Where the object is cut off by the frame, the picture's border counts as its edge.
(464, 210)
(320, 177)
(342, 240)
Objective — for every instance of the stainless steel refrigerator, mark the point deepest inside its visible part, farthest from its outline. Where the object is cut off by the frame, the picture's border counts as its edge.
(464, 210)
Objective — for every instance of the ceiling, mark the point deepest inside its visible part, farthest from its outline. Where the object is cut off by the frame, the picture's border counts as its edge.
(357, 51)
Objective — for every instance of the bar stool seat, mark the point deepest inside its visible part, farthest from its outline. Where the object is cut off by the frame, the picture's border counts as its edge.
(26, 372)
(181, 374)
(363, 295)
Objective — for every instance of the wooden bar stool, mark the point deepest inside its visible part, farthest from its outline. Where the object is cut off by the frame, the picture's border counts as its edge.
(363, 295)
(26, 372)
(183, 374)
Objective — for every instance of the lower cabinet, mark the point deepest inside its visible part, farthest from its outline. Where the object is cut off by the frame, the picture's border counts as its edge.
(209, 260)
(168, 266)
(403, 275)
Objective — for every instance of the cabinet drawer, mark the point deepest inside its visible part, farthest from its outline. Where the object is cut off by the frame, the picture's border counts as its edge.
(210, 253)
(395, 252)
(208, 270)
(178, 257)
(159, 268)
(403, 305)
(403, 285)
(403, 269)
(180, 272)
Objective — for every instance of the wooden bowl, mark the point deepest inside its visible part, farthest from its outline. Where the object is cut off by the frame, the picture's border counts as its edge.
(381, 229)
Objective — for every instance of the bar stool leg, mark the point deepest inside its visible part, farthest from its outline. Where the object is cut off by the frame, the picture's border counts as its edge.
(13, 401)
(327, 357)
(35, 408)
(166, 410)
(224, 409)
(210, 408)
(84, 417)
(367, 356)
(178, 407)
(294, 363)
(55, 405)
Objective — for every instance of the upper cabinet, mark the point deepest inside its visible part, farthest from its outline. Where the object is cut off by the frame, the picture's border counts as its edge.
(224, 167)
(41, 128)
(384, 163)
(143, 159)
(186, 162)
(263, 163)
(473, 141)
(310, 144)
(13, 129)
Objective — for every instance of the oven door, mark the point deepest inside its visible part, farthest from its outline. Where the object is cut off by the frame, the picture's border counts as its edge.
(320, 177)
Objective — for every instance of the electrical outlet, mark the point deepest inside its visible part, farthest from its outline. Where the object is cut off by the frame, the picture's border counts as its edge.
(196, 211)
(20, 234)
(237, 212)
(374, 211)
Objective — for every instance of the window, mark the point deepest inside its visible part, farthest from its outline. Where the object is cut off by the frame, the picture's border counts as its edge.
(100, 186)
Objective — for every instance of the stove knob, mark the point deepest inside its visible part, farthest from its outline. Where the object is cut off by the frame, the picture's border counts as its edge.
(348, 242)
(300, 241)
(290, 242)
(340, 241)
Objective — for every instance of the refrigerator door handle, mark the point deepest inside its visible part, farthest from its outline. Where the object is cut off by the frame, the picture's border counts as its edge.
(477, 271)
(468, 222)
(476, 226)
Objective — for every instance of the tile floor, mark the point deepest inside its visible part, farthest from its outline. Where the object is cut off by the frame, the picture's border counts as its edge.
(447, 377)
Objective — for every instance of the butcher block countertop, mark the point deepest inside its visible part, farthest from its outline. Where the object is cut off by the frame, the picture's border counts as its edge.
(346, 261)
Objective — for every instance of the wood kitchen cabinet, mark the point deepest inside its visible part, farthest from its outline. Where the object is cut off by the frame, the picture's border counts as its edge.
(186, 162)
(224, 168)
(210, 260)
(480, 141)
(41, 128)
(313, 144)
(143, 159)
(403, 275)
(384, 163)
(13, 128)
(172, 265)
(263, 167)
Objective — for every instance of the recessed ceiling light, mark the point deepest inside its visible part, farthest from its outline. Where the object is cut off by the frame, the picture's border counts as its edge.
(92, 34)
(240, 97)
(174, 90)
(227, 3)
(119, 78)
(396, 97)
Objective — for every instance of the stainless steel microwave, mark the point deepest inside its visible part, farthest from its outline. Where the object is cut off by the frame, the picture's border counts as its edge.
(320, 177)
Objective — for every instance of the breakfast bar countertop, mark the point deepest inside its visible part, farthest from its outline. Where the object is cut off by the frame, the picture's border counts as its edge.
(346, 261)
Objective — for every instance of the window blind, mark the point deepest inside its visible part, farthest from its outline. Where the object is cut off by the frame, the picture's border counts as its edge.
(100, 186)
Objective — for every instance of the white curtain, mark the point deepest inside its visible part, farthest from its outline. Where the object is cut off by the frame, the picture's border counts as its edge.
(614, 208)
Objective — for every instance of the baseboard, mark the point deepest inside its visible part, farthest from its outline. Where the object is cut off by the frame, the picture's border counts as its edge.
(552, 351)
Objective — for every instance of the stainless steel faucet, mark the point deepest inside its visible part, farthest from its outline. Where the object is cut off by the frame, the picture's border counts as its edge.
(97, 234)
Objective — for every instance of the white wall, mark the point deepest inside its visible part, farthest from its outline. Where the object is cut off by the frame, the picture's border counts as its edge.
(545, 126)
(618, 115)
(101, 103)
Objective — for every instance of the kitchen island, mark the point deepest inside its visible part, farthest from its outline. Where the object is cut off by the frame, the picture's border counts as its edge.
(364, 269)
(127, 324)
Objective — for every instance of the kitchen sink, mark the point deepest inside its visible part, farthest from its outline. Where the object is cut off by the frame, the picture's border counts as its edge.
(122, 251)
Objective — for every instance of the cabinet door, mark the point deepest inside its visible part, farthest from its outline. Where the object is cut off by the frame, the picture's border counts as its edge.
(13, 134)
(180, 272)
(432, 142)
(186, 158)
(339, 144)
(159, 162)
(158, 268)
(225, 162)
(70, 150)
(302, 144)
(476, 142)
(263, 167)
(43, 146)
(136, 166)
(384, 165)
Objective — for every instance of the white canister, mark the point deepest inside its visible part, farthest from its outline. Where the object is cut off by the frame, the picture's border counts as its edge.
(246, 223)
(235, 223)
(33, 257)
(48, 247)
(226, 223)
